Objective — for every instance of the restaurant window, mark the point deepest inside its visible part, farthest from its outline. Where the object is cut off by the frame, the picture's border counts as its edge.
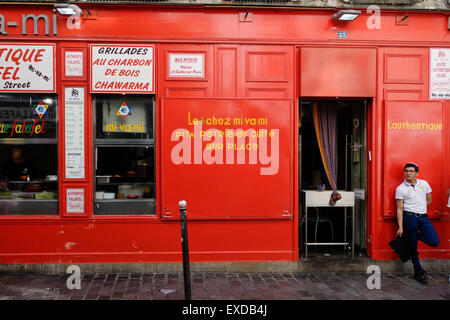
(124, 155)
(29, 149)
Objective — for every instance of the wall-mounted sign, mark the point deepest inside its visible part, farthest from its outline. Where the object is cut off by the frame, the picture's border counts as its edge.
(74, 63)
(75, 200)
(439, 73)
(29, 24)
(74, 133)
(27, 68)
(122, 68)
(186, 65)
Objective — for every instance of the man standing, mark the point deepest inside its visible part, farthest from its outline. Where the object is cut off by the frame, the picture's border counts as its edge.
(412, 198)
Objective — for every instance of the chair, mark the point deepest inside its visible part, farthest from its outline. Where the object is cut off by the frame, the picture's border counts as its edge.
(318, 219)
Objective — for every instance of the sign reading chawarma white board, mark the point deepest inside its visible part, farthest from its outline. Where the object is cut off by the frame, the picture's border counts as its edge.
(439, 73)
(122, 68)
(189, 65)
(74, 132)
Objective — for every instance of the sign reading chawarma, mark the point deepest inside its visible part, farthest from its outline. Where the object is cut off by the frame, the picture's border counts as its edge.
(122, 68)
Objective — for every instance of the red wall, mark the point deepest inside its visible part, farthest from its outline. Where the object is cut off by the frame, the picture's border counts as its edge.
(246, 61)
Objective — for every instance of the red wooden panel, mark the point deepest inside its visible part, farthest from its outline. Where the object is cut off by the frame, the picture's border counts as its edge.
(414, 132)
(226, 71)
(266, 71)
(74, 48)
(266, 66)
(224, 176)
(270, 93)
(402, 94)
(403, 68)
(446, 165)
(338, 72)
(176, 23)
(141, 240)
(186, 86)
(175, 92)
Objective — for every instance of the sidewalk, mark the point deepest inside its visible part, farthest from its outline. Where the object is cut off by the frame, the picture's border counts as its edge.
(224, 286)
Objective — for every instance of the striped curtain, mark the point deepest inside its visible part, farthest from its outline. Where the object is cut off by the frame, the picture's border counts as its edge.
(325, 124)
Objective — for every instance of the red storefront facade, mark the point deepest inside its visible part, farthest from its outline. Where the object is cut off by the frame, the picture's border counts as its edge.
(211, 76)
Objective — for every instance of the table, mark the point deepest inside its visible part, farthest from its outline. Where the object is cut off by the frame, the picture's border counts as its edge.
(313, 198)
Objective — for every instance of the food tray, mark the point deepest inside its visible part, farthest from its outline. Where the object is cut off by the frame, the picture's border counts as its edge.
(22, 195)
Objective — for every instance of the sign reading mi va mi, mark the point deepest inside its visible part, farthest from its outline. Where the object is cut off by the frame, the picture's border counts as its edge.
(115, 127)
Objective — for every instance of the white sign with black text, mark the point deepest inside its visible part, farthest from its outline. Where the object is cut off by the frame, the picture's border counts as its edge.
(122, 68)
(75, 200)
(189, 65)
(74, 132)
(74, 64)
(439, 73)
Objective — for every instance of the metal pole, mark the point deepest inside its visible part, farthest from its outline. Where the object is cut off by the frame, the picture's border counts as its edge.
(306, 231)
(185, 249)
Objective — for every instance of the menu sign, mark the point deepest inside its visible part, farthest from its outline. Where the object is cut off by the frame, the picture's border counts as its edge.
(122, 68)
(74, 133)
(439, 73)
(75, 200)
(27, 68)
(190, 65)
(74, 63)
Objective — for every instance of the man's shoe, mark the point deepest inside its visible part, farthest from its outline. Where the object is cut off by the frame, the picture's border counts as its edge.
(419, 275)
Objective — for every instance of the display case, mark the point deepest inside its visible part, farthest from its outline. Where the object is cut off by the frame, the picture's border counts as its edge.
(28, 143)
(124, 155)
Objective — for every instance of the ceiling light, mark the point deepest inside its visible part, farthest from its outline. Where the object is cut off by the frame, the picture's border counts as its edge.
(66, 9)
(346, 15)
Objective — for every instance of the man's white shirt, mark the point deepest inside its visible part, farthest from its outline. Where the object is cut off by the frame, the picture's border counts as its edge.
(414, 197)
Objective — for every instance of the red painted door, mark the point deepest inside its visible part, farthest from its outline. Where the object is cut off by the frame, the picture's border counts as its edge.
(237, 162)
(414, 132)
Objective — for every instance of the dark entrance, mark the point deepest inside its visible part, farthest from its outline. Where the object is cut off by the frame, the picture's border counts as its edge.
(351, 176)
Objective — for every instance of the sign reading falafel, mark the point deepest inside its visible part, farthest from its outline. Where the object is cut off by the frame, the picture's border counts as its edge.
(27, 67)
(75, 200)
(122, 68)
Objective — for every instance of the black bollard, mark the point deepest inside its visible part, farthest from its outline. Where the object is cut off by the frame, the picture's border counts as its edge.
(185, 249)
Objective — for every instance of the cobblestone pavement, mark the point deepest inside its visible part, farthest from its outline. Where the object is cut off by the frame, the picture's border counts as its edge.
(224, 286)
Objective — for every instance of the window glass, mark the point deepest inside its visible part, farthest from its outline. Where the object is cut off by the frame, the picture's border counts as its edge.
(124, 117)
(124, 155)
(29, 166)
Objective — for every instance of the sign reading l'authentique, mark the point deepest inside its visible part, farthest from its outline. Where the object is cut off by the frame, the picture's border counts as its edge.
(122, 68)
(27, 67)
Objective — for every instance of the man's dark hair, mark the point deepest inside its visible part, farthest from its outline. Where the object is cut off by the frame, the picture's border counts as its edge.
(411, 165)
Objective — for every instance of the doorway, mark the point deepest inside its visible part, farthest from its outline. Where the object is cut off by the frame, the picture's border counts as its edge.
(351, 176)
